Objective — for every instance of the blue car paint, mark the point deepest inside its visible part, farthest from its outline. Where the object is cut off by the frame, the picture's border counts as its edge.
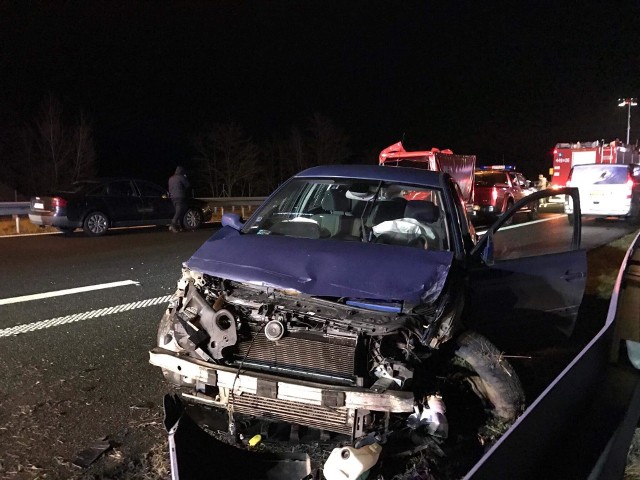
(325, 268)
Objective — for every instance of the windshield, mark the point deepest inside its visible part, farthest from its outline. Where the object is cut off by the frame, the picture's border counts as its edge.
(355, 210)
(598, 174)
(489, 179)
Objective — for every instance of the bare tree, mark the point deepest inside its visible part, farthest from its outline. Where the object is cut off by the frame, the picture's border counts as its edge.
(326, 143)
(50, 138)
(83, 150)
(227, 157)
(50, 153)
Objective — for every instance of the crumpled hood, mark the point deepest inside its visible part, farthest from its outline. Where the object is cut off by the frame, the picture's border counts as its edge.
(325, 267)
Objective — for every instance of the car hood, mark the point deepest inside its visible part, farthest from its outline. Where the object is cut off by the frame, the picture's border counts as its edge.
(325, 268)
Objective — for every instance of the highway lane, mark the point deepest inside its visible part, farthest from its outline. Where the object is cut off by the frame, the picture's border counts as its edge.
(67, 384)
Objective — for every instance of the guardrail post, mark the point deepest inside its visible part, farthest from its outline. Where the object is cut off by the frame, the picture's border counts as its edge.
(17, 223)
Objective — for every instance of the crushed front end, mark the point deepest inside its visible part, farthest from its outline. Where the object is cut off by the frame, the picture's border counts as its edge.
(278, 354)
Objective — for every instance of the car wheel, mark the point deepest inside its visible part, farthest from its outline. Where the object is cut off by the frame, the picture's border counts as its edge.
(192, 219)
(96, 224)
(533, 211)
(490, 376)
(66, 230)
(510, 220)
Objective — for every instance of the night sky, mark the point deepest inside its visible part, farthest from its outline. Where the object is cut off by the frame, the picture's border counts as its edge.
(503, 80)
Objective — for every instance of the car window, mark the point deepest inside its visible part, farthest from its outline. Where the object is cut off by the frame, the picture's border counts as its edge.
(545, 234)
(150, 190)
(355, 210)
(120, 188)
(489, 179)
(599, 174)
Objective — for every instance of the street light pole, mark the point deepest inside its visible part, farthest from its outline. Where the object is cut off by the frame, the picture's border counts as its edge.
(629, 102)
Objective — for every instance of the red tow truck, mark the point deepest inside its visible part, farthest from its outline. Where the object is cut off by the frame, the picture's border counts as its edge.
(460, 167)
(566, 155)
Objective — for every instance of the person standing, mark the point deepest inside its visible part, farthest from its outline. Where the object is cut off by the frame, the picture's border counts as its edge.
(179, 188)
(542, 182)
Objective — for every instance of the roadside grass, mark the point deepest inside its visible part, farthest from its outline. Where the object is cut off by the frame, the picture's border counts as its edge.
(8, 227)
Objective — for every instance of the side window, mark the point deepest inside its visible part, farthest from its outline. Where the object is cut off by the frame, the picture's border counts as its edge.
(121, 188)
(151, 190)
(98, 191)
(528, 236)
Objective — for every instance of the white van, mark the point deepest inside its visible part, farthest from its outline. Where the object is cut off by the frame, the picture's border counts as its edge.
(606, 190)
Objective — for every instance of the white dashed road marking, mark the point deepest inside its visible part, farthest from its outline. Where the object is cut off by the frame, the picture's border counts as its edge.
(78, 317)
(70, 291)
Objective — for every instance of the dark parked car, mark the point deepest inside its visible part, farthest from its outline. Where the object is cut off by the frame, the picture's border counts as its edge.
(97, 205)
(344, 305)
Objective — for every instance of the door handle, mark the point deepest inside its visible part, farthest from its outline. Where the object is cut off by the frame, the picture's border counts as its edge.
(569, 276)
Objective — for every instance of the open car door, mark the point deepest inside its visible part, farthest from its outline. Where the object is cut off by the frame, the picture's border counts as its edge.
(528, 272)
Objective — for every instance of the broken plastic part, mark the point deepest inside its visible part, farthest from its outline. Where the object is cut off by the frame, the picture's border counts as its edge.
(432, 416)
(348, 463)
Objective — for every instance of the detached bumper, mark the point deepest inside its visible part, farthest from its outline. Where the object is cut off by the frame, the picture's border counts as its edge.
(316, 405)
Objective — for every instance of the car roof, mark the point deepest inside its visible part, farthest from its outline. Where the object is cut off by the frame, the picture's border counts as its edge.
(376, 172)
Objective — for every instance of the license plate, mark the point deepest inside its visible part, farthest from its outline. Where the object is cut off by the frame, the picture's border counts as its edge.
(38, 205)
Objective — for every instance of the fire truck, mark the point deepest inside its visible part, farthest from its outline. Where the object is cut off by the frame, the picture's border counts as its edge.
(460, 167)
(566, 155)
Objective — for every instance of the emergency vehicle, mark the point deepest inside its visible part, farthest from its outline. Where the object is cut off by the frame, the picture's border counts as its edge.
(460, 167)
(566, 155)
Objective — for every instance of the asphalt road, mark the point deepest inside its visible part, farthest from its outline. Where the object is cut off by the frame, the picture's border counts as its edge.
(78, 369)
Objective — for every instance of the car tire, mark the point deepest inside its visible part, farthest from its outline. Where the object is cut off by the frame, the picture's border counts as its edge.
(533, 211)
(192, 219)
(491, 377)
(96, 224)
(510, 220)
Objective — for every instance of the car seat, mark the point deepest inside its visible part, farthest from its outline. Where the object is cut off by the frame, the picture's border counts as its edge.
(338, 222)
(427, 214)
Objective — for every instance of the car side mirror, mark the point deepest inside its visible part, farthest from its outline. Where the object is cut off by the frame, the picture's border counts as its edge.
(232, 220)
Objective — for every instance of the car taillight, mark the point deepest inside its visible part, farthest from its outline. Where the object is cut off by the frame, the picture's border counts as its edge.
(58, 202)
(630, 185)
(494, 194)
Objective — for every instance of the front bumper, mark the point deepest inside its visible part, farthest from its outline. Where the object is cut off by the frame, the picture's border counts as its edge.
(326, 407)
(485, 211)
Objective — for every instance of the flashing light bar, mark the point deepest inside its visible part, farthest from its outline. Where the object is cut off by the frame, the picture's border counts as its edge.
(498, 167)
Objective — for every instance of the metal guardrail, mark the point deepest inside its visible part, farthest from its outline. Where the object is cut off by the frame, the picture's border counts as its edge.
(16, 209)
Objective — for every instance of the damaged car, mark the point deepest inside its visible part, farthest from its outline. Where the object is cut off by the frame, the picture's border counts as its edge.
(342, 302)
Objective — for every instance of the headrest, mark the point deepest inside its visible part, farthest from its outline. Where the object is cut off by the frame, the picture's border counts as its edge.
(387, 210)
(335, 201)
(422, 210)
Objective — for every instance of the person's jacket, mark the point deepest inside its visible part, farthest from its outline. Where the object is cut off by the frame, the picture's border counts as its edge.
(179, 186)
